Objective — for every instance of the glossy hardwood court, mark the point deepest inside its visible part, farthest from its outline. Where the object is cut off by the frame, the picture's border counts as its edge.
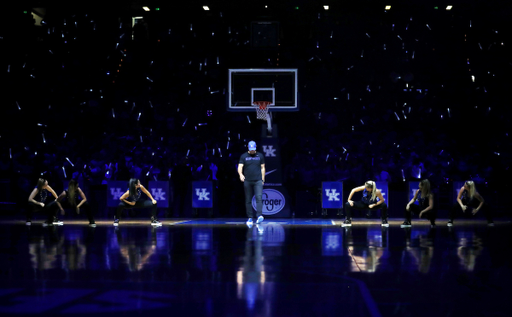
(284, 267)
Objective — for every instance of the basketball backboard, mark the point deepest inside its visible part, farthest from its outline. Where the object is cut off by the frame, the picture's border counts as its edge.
(278, 85)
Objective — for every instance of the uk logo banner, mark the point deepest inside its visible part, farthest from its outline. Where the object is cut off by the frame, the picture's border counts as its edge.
(413, 187)
(202, 194)
(115, 189)
(383, 187)
(332, 195)
(160, 192)
(269, 151)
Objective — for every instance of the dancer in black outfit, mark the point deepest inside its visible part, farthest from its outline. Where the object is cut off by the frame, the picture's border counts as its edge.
(69, 199)
(369, 201)
(36, 202)
(425, 207)
(131, 199)
(251, 169)
(469, 201)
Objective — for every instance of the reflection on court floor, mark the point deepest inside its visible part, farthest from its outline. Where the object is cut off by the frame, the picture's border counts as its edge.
(222, 267)
(239, 221)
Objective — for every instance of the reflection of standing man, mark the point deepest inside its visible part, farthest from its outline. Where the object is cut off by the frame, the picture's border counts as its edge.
(253, 275)
(251, 169)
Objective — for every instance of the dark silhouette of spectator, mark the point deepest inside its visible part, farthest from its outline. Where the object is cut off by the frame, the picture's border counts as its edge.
(181, 177)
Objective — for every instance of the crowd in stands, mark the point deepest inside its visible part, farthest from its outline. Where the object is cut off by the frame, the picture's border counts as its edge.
(393, 95)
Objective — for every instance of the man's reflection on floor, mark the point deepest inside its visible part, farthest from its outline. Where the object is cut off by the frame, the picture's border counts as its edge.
(252, 278)
(419, 248)
(367, 254)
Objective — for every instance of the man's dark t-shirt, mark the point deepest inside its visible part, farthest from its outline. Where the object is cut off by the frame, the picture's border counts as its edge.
(252, 165)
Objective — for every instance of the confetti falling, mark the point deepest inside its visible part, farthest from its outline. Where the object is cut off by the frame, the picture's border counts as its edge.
(67, 159)
(202, 81)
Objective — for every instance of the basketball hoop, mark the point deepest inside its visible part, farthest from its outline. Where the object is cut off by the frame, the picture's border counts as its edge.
(262, 109)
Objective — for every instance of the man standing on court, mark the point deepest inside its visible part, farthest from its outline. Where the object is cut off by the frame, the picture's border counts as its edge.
(251, 169)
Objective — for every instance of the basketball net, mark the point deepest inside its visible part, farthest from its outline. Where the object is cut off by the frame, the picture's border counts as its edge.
(262, 109)
(263, 114)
